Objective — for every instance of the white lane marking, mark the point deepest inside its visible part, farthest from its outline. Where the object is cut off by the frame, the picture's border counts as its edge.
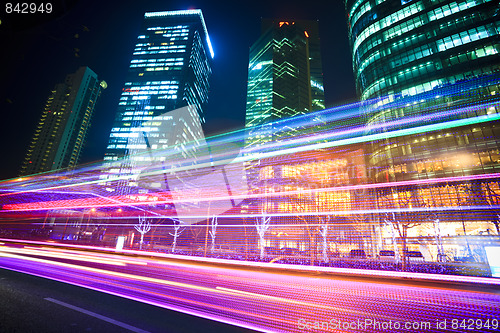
(96, 315)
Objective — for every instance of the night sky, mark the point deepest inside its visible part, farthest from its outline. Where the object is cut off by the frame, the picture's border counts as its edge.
(38, 51)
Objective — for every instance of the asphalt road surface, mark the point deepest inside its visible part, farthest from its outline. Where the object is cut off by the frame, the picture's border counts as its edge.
(261, 297)
(28, 304)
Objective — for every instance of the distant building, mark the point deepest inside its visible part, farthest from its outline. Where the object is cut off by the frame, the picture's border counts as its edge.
(284, 78)
(170, 69)
(311, 31)
(285, 87)
(61, 131)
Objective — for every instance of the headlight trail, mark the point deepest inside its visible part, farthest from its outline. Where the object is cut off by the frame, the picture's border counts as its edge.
(275, 300)
(382, 211)
(355, 133)
(124, 200)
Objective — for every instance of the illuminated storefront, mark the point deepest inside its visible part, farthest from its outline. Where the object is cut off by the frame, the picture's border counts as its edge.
(467, 221)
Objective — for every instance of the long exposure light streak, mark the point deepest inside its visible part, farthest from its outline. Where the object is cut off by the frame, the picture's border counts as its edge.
(285, 151)
(398, 185)
(120, 201)
(280, 148)
(190, 261)
(282, 298)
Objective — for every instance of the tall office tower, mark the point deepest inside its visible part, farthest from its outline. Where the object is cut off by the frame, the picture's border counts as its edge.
(311, 31)
(284, 78)
(411, 46)
(170, 69)
(61, 131)
(435, 61)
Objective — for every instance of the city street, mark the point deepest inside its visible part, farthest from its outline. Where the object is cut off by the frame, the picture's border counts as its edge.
(264, 166)
(28, 304)
(266, 297)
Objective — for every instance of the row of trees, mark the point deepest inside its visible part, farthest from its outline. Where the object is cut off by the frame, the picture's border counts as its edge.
(320, 236)
(399, 212)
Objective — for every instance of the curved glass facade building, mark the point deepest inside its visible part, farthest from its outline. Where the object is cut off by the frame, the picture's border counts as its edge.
(411, 46)
(435, 64)
(170, 68)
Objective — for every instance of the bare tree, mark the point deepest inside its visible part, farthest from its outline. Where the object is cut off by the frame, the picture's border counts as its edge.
(143, 228)
(407, 217)
(177, 233)
(399, 224)
(195, 232)
(311, 229)
(389, 220)
(261, 230)
(362, 228)
(439, 242)
(213, 232)
(324, 233)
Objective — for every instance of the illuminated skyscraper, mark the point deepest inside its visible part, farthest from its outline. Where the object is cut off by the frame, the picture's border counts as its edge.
(170, 68)
(61, 131)
(421, 59)
(284, 78)
(411, 46)
(417, 48)
(311, 31)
